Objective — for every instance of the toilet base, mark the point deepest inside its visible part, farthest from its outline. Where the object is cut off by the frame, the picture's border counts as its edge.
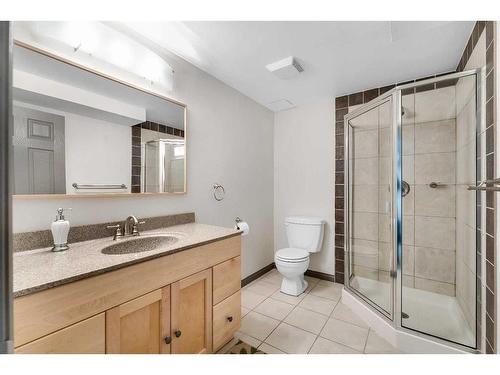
(295, 286)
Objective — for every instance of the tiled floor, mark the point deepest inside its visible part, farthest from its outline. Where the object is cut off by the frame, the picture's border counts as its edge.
(315, 322)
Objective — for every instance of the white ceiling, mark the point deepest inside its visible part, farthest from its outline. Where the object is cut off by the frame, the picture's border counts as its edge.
(338, 57)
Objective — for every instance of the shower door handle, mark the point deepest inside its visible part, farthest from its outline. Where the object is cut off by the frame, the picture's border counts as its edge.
(405, 188)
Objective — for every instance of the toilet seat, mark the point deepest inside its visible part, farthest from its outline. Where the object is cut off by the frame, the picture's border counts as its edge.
(292, 255)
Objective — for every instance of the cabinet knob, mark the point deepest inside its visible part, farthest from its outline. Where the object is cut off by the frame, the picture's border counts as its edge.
(168, 340)
(178, 333)
(229, 318)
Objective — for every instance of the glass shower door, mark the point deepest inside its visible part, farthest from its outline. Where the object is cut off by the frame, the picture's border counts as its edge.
(369, 180)
(438, 280)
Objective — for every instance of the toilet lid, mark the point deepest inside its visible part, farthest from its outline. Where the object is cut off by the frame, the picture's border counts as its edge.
(291, 254)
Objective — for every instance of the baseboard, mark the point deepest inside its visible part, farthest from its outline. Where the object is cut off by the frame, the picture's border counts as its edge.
(254, 276)
(320, 275)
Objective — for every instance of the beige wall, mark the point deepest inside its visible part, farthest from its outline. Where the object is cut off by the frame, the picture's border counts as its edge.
(304, 173)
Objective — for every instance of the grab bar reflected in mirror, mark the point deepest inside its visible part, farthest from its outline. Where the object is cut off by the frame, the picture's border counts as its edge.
(99, 186)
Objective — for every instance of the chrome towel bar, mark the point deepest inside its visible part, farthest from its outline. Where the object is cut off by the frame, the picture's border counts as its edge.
(483, 186)
(99, 186)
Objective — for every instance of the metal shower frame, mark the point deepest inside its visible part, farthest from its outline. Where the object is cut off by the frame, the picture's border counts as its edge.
(394, 96)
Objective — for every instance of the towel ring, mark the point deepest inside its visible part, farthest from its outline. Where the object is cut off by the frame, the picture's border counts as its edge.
(219, 192)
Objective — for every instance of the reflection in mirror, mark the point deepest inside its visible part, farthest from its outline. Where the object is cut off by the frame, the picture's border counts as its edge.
(78, 132)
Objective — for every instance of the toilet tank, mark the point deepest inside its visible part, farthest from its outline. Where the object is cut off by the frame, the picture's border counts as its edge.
(305, 232)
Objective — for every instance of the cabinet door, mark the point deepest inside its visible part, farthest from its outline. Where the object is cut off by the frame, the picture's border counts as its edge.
(85, 337)
(192, 314)
(140, 326)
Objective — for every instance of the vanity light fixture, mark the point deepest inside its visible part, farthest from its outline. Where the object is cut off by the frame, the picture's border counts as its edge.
(99, 46)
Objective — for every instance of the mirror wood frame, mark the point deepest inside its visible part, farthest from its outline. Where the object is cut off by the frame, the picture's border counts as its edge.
(51, 55)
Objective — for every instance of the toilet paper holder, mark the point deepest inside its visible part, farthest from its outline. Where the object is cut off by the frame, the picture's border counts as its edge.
(242, 226)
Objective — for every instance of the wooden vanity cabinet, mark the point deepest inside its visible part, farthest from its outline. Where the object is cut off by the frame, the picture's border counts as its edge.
(188, 302)
(85, 337)
(140, 326)
(192, 314)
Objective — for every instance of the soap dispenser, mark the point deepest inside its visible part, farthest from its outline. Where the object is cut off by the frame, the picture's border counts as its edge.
(60, 230)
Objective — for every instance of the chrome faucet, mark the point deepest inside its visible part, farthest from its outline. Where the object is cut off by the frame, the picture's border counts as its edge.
(129, 228)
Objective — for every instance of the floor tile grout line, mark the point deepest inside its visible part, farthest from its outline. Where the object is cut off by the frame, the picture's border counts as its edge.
(280, 321)
(294, 307)
(323, 327)
(366, 340)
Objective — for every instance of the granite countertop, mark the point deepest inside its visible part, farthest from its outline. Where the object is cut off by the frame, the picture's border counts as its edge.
(36, 270)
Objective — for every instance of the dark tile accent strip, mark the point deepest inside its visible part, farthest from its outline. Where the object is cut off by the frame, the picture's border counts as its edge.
(320, 275)
(254, 276)
(355, 99)
(341, 102)
(350, 99)
(369, 95)
(43, 238)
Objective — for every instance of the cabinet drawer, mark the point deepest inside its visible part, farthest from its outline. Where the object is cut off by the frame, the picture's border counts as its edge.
(85, 337)
(226, 279)
(227, 319)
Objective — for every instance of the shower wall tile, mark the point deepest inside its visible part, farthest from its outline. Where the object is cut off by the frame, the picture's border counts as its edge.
(409, 202)
(365, 198)
(385, 258)
(409, 230)
(365, 253)
(466, 164)
(439, 167)
(365, 144)
(384, 142)
(409, 169)
(439, 201)
(408, 134)
(435, 105)
(436, 136)
(435, 286)
(365, 226)
(479, 54)
(435, 232)
(435, 264)
(368, 273)
(366, 171)
(366, 121)
(465, 293)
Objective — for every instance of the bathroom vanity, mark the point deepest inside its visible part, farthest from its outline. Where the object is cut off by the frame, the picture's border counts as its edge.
(181, 297)
(173, 289)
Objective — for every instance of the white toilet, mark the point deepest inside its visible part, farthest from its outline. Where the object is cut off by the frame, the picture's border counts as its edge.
(305, 235)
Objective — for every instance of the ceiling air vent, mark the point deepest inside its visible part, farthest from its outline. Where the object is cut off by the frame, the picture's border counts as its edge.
(285, 69)
(280, 105)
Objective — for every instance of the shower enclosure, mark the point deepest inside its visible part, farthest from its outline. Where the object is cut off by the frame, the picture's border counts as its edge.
(412, 206)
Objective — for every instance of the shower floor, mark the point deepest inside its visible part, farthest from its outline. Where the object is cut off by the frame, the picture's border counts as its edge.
(435, 314)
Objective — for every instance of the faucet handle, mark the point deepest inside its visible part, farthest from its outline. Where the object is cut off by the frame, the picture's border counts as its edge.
(118, 230)
(135, 232)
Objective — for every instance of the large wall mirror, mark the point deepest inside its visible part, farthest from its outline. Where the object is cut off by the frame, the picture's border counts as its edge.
(78, 132)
